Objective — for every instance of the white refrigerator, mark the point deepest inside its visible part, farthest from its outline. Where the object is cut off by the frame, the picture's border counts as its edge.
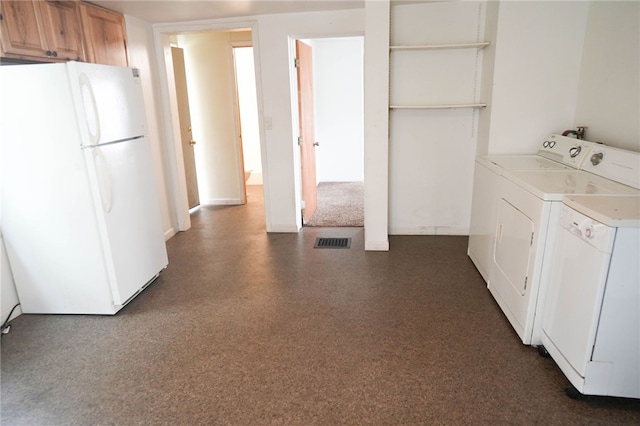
(80, 209)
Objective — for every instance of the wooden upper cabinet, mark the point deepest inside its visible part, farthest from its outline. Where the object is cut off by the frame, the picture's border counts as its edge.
(104, 35)
(61, 25)
(41, 30)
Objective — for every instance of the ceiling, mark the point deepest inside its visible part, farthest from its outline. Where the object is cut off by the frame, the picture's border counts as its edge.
(155, 11)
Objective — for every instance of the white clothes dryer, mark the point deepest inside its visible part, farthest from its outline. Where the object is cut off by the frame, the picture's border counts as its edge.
(591, 321)
(529, 205)
(554, 153)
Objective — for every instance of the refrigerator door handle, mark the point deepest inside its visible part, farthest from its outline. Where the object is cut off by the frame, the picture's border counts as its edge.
(91, 113)
(104, 180)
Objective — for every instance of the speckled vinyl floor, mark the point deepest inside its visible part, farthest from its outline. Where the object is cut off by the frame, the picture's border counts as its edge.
(246, 328)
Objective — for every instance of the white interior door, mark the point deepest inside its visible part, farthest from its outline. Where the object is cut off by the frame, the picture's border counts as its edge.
(186, 131)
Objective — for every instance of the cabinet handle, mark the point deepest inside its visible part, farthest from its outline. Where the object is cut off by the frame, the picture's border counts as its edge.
(48, 52)
(55, 54)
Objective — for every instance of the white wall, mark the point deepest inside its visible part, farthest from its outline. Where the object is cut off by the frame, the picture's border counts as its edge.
(609, 84)
(142, 56)
(538, 54)
(249, 120)
(339, 108)
(432, 151)
(272, 42)
(212, 101)
(376, 125)
(526, 99)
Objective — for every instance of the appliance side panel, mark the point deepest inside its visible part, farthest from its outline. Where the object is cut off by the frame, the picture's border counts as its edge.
(48, 222)
(618, 336)
(483, 218)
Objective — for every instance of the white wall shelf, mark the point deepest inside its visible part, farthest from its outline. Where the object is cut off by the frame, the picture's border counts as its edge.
(448, 106)
(479, 45)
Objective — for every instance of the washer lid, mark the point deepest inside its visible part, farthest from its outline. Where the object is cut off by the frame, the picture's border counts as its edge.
(622, 211)
(553, 185)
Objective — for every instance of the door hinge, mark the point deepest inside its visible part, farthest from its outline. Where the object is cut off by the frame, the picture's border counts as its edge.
(526, 279)
(299, 141)
(296, 62)
(531, 242)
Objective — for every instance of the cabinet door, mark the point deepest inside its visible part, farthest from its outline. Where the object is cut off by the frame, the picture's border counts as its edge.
(61, 24)
(22, 33)
(104, 36)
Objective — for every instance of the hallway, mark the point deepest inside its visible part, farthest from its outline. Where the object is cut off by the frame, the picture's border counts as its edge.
(249, 328)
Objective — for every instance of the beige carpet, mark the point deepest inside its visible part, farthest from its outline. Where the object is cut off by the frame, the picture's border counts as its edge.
(339, 204)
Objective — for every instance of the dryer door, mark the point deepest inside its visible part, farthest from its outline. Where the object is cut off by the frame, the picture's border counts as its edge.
(513, 251)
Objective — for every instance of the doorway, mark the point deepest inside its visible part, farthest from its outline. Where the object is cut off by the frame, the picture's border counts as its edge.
(248, 121)
(338, 119)
(223, 113)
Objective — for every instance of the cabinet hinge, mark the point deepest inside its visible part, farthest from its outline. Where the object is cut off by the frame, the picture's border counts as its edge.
(299, 141)
(296, 62)
(531, 242)
(526, 279)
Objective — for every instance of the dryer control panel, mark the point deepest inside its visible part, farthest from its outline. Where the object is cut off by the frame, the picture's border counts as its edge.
(617, 164)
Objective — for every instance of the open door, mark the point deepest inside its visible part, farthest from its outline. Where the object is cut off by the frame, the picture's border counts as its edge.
(307, 132)
(184, 116)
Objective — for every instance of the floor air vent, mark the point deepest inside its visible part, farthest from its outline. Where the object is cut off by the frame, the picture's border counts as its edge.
(337, 243)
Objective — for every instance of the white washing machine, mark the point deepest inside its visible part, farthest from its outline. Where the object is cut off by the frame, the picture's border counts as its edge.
(591, 321)
(528, 210)
(555, 153)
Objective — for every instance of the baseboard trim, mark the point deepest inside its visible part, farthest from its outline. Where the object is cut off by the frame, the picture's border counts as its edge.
(169, 233)
(222, 202)
(283, 229)
(429, 230)
(376, 245)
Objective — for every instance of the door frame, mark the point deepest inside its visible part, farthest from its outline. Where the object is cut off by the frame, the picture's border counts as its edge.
(177, 180)
(295, 113)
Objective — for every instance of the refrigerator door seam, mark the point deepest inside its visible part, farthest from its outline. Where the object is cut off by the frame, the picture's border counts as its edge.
(113, 142)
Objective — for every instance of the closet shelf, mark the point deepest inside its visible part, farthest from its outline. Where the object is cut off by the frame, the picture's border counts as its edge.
(479, 45)
(448, 106)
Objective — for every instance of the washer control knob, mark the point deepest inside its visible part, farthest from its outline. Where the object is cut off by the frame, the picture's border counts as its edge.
(573, 152)
(597, 158)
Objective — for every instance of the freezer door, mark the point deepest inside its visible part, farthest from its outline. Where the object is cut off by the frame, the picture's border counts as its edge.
(128, 209)
(109, 102)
